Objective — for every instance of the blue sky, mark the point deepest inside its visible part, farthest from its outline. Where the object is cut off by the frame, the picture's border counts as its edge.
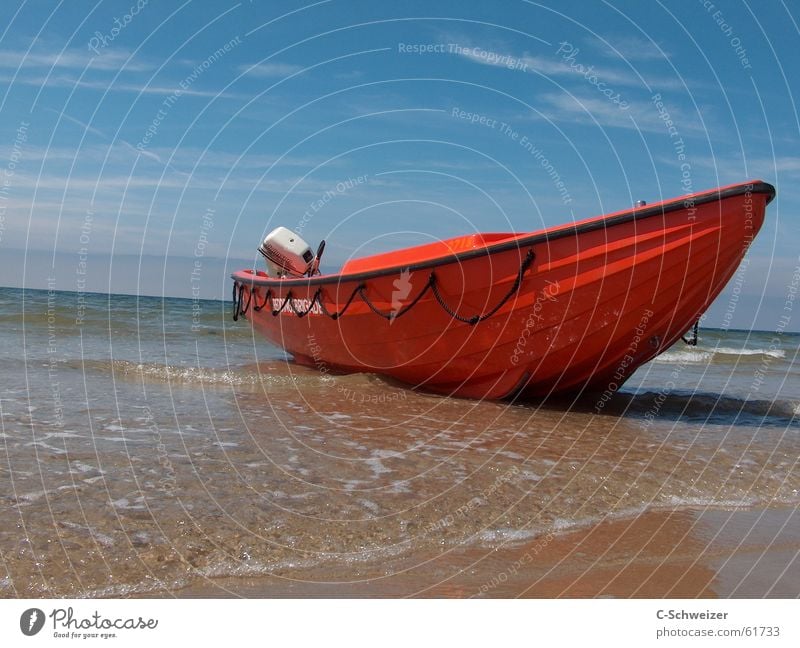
(136, 135)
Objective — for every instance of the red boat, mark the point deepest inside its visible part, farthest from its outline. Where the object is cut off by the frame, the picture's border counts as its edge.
(571, 308)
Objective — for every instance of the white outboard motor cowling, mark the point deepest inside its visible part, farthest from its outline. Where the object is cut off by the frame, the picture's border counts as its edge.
(286, 254)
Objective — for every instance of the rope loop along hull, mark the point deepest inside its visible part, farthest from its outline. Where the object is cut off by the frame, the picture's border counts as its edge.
(571, 308)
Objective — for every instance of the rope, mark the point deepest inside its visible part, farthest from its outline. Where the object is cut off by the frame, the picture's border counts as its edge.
(393, 314)
(244, 310)
(467, 320)
(267, 297)
(283, 305)
(693, 340)
(310, 306)
(335, 316)
(361, 289)
(475, 319)
(235, 302)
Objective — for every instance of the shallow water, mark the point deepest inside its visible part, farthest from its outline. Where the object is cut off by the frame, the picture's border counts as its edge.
(159, 443)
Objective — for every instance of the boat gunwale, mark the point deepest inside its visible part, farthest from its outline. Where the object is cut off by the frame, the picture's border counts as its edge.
(523, 240)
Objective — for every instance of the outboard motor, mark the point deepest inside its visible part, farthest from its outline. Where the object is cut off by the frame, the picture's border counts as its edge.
(289, 255)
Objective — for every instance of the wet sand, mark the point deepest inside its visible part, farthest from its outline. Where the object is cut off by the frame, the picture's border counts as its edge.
(684, 553)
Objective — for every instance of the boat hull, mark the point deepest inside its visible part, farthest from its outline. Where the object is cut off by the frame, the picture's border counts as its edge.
(577, 308)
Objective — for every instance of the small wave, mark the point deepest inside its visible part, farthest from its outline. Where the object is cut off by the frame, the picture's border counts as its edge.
(39, 318)
(194, 375)
(508, 536)
(726, 354)
(717, 355)
(682, 357)
(275, 373)
(706, 408)
(745, 502)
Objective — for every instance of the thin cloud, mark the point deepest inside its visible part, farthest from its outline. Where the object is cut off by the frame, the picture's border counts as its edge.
(271, 69)
(733, 165)
(781, 164)
(558, 66)
(564, 69)
(111, 60)
(138, 88)
(185, 157)
(600, 112)
(78, 122)
(95, 131)
(105, 183)
(635, 49)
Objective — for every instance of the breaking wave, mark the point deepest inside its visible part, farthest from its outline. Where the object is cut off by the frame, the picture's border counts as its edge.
(273, 373)
(720, 355)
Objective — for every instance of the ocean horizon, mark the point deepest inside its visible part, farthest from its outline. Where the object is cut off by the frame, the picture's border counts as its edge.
(227, 300)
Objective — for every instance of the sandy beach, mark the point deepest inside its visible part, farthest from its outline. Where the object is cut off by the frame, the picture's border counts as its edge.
(685, 553)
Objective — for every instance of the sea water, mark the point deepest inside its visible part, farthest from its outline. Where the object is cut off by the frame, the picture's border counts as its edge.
(147, 444)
